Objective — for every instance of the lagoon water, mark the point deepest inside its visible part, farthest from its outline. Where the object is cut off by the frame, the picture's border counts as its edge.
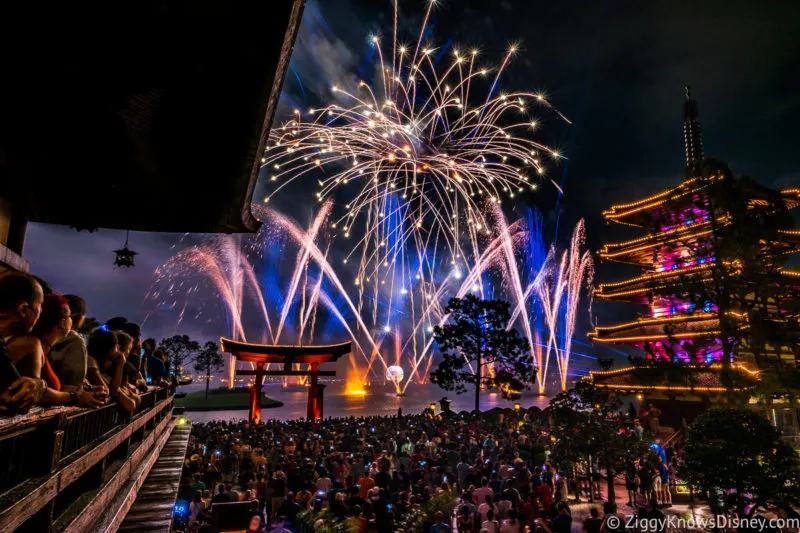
(380, 400)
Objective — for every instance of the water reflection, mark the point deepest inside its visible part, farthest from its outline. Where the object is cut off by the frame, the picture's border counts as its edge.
(380, 401)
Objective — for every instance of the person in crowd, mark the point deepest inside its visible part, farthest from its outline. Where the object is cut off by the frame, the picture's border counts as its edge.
(131, 379)
(655, 516)
(69, 356)
(196, 506)
(645, 474)
(562, 522)
(594, 522)
(638, 429)
(221, 496)
(102, 347)
(631, 483)
(256, 525)
(21, 300)
(467, 514)
(486, 505)
(666, 496)
(288, 507)
(489, 524)
(480, 494)
(29, 354)
(440, 525)
(134, 356)
(654, 413)
(609, 525)
(148, 347)
(511, 524)
(156, 370)
(374, 471)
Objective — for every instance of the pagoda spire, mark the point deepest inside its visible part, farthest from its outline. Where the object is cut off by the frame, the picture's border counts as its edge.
(692, 133)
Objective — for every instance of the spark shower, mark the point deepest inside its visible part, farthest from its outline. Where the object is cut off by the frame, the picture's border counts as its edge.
(283, 279)
(411, 171)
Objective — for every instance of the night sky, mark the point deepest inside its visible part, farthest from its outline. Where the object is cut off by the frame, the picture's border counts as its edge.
(616, 69)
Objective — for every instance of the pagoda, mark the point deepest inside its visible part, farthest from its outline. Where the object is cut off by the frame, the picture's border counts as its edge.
(674, 329)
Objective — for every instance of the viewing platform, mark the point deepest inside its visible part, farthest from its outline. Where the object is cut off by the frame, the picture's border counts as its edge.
(68, 469)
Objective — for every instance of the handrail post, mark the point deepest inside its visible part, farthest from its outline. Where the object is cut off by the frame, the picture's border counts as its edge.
(43, 520)
(58, 442)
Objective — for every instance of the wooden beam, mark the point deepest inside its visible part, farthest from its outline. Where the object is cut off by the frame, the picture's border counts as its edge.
(330, 373)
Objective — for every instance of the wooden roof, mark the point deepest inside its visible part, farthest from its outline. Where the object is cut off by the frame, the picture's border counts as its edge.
(148, 116)
(680, 326)
(271, 353)
(690, 378)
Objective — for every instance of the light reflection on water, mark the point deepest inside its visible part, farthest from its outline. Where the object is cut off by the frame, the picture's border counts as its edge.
(379, 401)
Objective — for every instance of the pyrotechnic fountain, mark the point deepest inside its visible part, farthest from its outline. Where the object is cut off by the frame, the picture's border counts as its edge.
(317, 304)
(563, 288)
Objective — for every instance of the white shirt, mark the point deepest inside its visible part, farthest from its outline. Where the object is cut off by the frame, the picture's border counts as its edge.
(491, 527)
(508, 527)
(485, 508)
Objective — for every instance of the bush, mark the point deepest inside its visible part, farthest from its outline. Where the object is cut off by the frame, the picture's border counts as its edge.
(421, 519)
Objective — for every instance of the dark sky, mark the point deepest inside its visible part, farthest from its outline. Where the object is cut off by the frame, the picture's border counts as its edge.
(615, 68)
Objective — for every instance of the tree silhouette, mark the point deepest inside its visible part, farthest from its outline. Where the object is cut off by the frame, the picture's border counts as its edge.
(588, 424)
(209, 360)
(738, 452)
(478, 348)
(179, 349)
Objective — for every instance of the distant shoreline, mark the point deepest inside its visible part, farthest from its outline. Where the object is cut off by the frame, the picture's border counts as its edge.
(222, 400)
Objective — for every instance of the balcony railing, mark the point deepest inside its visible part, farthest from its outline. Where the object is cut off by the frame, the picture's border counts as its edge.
(50, 458)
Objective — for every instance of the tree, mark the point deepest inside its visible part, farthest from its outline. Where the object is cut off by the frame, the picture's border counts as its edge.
(479, 348)
(744, 250)
(209, 360)
(587, 424)
(179, 349)
(738, 452)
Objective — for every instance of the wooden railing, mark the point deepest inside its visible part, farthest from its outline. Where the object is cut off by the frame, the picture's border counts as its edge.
(48, 459)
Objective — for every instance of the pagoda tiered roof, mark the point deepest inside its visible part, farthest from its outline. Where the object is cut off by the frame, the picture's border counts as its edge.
(695, 379)
(680, 223)
(638, 213)
(637, 289)
(645, 212)
(682, 326)
(641, 251)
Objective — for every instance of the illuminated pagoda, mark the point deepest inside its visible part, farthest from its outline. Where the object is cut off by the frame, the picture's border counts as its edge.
(676, 329)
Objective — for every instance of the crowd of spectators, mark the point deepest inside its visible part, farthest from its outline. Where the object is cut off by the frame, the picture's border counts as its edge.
(46, 361)
(376, 472)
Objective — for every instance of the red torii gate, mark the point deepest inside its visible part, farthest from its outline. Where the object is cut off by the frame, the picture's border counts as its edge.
(261, 354)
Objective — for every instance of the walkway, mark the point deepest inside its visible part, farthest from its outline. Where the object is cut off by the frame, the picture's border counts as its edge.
(155, 502)
(681, 508)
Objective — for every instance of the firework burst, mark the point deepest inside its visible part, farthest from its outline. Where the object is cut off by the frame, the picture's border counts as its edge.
(429, 144)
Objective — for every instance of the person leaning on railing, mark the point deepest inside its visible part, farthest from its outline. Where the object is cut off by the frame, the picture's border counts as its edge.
(69, 357)
(21, 309)
(103, 348)
(20, 305)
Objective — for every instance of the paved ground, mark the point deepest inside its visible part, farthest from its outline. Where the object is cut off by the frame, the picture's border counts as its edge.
(681, 508)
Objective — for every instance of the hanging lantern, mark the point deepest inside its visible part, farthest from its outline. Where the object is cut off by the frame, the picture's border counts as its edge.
(124, 255)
